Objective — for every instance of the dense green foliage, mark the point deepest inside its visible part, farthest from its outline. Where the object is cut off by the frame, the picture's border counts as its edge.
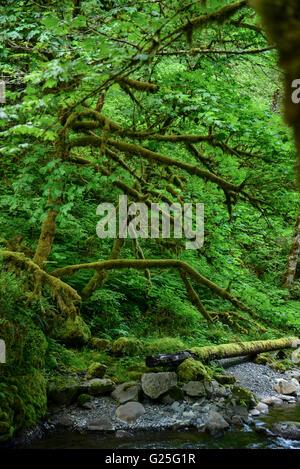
(218, 81)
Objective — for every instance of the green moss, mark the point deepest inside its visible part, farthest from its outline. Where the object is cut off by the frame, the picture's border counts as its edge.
(264, 359)
(193, 370)
(164, 345)
(22, 402)
(135, 375)
(101, 386)
(63, 390)
(243, 396)
(223, 379)
(72, 332)
(22, 381)
(176, 393)
(126, 347)
(100, 344)
(96, 370)
(83, 399)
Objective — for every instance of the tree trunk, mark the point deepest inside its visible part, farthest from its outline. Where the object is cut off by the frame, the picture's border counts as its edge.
(291, 266)
(47, 235)
(222, 351)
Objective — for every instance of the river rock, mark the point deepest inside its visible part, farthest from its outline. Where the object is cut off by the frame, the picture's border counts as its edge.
(254, 412)
(289, 399)
(102, 424)
(156, 384)
(123, 434)
(285, 387)
(241, 412)
(63, 394)
(215, 423)
(262, 407)
(127, 392)
(236, 420)
(175, 406)
(214, 389)
(195, 389)
(272, 400)
(97, 387)
(295, 356)
(198, 405)
(294, 373)
(287, 430)
(188, 414)
(295, 382)
(130, 411)
(65, 422)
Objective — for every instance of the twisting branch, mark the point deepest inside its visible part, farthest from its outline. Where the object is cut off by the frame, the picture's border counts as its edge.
(142, 264)
(137, 150)
(66, 297)
(195, 298)
(198, 51)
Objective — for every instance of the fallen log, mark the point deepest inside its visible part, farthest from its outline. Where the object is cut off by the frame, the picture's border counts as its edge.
(213, 352)
(169, 359)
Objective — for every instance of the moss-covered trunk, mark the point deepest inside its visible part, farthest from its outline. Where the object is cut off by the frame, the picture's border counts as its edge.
(281, 19)
(223, 351)
(46, 239)
(291, 266)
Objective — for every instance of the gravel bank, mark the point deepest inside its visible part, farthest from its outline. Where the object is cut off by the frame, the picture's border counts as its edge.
(259, 379)
(156, 417)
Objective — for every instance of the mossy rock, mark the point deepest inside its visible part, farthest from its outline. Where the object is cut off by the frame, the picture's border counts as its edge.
(193, 370)
(23, 398)
(64, 392)
(280, 366)
(164, 345)
(96, 370)
(174, 394)
(98, 387)
(224, 379)
(73, 333)
(83, 399)
(243, 396)
(126, 347)
(263, 359)
(26, 345)
(135, 375)
(100, 344)
(23, 401)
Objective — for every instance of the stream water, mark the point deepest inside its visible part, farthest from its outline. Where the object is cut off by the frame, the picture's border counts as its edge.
(246, 438)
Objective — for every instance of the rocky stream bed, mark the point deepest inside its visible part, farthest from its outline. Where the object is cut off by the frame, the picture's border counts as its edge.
(159, 404)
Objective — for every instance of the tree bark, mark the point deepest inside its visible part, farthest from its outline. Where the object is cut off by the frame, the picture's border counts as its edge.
(222, 351)
(291, 266)
(281, 21)
(46, 239)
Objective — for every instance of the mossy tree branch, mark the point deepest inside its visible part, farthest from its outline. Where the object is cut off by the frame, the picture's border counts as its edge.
(143, 264)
